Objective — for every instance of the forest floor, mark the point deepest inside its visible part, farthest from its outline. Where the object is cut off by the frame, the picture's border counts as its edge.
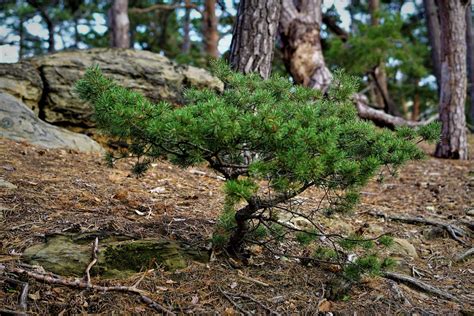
(59, 190)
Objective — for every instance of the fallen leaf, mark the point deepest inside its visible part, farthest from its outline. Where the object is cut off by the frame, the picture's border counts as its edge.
(325, 306)
(229, 311)
(158, 190)
(34, 296)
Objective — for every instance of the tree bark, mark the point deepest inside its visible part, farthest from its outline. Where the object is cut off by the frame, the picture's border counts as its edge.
(300, 25)
(299, 29)
(119, 24)
(415, 114)
(434, 36)
(185, 48)
(211, 35)
(453, 142)
(253, 36)
(470, 61)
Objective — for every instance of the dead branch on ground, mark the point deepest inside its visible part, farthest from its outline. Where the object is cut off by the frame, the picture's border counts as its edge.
(81, 284)
(420, 285)
(454, 231)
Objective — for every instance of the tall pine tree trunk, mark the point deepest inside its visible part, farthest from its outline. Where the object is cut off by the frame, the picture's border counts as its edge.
(186, 28)
(453, 142)
(434, 36)
(119, 24)
(251, 50)
(470, 61)
(300, 26)
(211, 35)
(253, 36)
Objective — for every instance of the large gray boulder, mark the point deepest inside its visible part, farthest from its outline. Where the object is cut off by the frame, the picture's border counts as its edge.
(18, 122)
(46, 83)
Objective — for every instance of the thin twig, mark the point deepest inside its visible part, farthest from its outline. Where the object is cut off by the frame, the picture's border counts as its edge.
(141, 278)
(95, 251)
(268, 309)
(250, 279)
(81, 284)
(227, 296)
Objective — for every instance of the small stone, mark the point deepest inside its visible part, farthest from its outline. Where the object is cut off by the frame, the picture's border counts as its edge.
(6, 184)
(403, 247)
(470, 212)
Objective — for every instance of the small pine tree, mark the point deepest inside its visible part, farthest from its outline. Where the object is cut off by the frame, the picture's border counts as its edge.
(297, 139)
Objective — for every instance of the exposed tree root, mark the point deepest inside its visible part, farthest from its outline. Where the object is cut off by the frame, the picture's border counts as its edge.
(420, 285)
(464, 255)
(454, 231)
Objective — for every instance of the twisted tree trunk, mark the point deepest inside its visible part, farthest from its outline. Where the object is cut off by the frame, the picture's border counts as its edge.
(470, 62)
(453, 142)
(253, 36)
(300, 25)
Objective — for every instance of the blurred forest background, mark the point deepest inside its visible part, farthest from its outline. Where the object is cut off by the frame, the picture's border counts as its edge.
(359, 36)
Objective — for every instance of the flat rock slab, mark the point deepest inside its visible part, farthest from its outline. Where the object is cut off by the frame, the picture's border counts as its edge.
(69, 255)
(18, 122)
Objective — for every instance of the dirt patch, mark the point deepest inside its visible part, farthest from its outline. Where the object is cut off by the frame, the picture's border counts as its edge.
(64, 191)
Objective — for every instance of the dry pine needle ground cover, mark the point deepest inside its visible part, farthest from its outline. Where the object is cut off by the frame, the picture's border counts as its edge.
(59, 190)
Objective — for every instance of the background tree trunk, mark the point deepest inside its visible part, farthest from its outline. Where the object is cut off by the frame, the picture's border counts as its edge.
(38, 5)
(453, 142)
(21, 42)
(379, 75)
(186, 28)
(434, 36)
(253, 36)
(211, 35)
(300, 25)
(119, 24)
(470, 62)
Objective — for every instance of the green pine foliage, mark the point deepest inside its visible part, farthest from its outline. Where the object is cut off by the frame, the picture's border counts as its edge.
(297, 138)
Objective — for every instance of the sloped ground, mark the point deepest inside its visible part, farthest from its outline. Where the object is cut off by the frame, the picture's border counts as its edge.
(60, 190)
